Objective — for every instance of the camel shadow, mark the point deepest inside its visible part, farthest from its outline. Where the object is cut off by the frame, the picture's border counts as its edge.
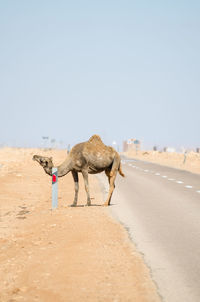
(92, 205)
(85, 206)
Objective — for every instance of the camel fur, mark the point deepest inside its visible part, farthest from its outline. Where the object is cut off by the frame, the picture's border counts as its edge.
(90, 157)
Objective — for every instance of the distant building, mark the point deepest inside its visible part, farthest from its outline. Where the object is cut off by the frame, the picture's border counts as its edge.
(131, 144)
(169, 149)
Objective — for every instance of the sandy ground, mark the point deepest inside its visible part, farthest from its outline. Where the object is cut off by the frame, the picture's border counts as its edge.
(69, 254)
(173, 159)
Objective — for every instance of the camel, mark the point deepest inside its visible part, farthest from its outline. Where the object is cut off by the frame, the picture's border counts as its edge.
(90, 157)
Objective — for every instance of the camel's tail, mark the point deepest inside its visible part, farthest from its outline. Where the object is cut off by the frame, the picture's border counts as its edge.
(120, 170)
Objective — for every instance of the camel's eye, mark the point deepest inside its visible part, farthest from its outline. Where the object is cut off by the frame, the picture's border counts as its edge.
(43, 162)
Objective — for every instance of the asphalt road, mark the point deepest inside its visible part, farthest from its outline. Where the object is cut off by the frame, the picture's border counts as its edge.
(160, 207)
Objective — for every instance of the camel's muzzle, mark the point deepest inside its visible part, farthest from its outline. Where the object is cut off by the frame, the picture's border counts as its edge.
(35, 158)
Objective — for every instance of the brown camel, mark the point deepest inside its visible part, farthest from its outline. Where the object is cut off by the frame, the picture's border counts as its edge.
(89, 157)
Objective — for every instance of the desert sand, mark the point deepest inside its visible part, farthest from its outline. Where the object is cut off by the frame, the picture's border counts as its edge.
(171, 159)
(69, 254)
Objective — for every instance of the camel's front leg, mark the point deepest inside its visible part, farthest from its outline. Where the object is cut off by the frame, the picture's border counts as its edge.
(75, 177)
(85, 177)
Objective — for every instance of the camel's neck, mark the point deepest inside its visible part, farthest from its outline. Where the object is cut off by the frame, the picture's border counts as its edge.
(65, 167)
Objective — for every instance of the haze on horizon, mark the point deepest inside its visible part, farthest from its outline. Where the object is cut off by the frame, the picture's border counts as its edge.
(121, 69)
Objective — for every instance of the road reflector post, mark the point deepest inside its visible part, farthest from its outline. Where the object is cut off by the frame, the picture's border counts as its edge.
(54, 188)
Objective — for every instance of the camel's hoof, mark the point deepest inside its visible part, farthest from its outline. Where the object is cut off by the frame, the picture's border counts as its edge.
(88, 205)
(105, 204)
(73, 205)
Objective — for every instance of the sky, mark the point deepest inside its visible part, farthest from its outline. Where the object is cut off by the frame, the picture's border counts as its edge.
(120, 69)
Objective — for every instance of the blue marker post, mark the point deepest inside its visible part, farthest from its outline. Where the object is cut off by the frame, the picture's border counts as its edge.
(54, 188)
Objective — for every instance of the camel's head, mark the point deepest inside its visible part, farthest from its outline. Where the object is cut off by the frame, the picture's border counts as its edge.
(45, 162)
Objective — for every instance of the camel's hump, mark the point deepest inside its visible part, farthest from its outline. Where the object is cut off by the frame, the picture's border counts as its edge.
(95, 145)
(95, 138)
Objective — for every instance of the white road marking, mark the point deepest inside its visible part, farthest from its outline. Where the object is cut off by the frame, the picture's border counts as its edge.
(158, 174)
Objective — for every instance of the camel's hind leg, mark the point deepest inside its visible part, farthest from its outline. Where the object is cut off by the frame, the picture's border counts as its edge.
(112, 173)
(111, 180)
(107, 171)
(115, 165)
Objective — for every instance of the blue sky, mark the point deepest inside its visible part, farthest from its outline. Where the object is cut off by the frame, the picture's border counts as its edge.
(122, 69)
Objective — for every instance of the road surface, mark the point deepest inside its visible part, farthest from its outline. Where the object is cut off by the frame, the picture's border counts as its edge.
(160, 207)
